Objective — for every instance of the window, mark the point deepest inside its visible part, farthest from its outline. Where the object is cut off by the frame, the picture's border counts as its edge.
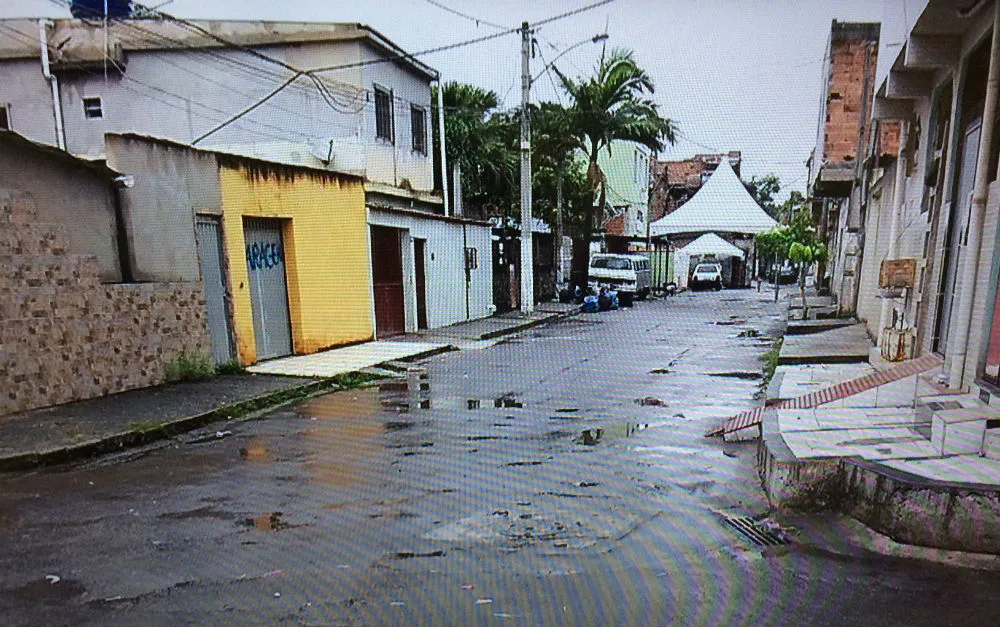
(92, 108)
(4, 118)
(419, 126)
(471, 258)
(611, 263)
(383, 115)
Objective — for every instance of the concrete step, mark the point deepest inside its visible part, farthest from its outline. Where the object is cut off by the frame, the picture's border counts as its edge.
(927, 405)
(808, 327)
(991, 443)
(960, 431)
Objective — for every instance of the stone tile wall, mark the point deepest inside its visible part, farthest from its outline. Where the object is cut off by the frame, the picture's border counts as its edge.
(65, 336)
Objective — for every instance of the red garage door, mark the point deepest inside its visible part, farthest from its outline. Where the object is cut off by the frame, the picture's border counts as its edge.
(387, 276)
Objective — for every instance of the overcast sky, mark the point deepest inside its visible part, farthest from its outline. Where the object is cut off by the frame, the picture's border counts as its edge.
(733, 74)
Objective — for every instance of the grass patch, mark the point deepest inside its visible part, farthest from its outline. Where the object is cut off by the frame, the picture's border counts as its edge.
(769, 366)
(144, 426)
(189, 367)
(350, 380)
(230, 367)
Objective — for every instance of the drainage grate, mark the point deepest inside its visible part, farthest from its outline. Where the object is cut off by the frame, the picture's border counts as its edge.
(754, 531)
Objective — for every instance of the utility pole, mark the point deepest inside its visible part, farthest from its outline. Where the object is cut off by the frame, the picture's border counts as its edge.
(527, 249)
(557, 247)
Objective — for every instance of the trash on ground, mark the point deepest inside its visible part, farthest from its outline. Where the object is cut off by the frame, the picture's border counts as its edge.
(483, 601)
(649, 401)
(53, 578)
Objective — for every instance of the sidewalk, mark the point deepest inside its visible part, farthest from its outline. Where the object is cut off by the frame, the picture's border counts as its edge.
(101, 425)
(498, 326)
(879, 455)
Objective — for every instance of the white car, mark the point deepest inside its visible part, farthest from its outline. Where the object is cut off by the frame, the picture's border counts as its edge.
(708, 275)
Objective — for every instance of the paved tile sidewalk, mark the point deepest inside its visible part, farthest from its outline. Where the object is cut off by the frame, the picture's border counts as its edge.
(348, 359)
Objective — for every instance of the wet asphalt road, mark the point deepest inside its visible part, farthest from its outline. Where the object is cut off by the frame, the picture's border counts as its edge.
(520, 484)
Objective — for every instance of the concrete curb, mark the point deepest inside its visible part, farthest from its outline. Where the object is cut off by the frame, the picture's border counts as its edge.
(128, 439)
(423, 355)
(489, 335)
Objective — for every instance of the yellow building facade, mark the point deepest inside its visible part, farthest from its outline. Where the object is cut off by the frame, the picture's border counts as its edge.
(324, 234)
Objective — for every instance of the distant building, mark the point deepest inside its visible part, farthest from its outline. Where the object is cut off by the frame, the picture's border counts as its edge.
(626, 166)
(674, 182)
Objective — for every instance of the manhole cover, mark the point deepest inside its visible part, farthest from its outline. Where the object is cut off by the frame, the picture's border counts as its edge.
(754, 531)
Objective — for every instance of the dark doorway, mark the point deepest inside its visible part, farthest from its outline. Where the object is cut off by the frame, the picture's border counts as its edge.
(387, 277)
(418, 263)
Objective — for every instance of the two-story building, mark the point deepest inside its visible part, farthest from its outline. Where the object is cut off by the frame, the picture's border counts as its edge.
(323, 96)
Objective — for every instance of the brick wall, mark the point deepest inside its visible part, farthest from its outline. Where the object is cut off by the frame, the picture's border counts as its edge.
(65, 336)
(850, 61)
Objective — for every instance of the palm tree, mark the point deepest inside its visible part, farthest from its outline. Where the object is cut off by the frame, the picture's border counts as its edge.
(476, 140)
(614, 104)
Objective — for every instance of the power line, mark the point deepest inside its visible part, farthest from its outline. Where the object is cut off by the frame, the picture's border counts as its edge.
(247, 110)
(475, 19)
(571, 13)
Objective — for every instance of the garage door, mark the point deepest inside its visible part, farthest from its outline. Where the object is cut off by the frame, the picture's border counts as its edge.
(213, 280)
(265, 253)
(387, 277)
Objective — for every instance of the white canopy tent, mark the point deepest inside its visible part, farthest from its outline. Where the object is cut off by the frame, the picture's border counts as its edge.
(708, 245)
(722, 205)
(711, 244)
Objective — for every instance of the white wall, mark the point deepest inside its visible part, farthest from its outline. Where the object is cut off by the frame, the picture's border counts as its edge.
(444, 263)
(394, 163)
(28, 96)
(180, 95)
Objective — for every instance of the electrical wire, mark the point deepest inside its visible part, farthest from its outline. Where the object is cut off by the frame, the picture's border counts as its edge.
(475, 19)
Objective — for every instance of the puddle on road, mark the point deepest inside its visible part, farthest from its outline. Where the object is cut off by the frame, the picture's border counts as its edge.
(48, 589)
(748, 375)
(397, 425)
(407, 555)
(254, 452)
(268, 522)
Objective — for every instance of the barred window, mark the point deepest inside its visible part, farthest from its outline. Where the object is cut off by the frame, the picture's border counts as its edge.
(419, 125)
(93, 108)
(383, 115)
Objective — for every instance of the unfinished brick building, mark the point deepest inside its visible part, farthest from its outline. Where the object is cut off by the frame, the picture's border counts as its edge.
(674, 182)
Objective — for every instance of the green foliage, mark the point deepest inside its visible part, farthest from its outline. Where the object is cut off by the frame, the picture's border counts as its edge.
(143, 426)
(769, 366)
(764, 189)
(189, 367)
(483, 141)
(613, 104)
(350, 380)
(230, 367)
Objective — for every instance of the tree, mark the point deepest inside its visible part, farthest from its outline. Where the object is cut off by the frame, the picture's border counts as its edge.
(764, 189)
(796, 241)
(614, 104)
(791, 206)
(478, 138)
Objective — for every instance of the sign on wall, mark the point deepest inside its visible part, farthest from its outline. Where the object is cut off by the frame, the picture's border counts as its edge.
(898, 273)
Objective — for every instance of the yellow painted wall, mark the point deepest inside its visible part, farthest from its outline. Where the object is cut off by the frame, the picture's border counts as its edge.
(327, 262)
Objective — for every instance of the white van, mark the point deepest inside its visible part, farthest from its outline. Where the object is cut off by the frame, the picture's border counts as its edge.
(631, 275)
